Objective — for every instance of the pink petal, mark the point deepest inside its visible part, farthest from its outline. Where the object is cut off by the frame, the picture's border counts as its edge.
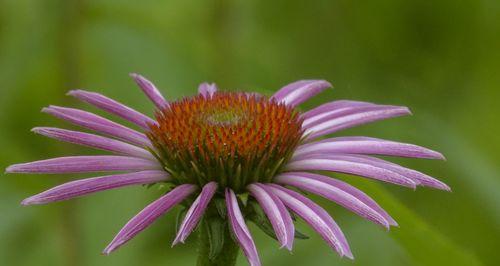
(90, 185)
(98, 124)
(351, 165)
(418, 177)
(94, 141)
(207, 89)
(315, 216)
(195, 212)
(274, 209)
(323, 186)
(335, 105)
(364, 145)
(298, 92)
(83, 164)
(149, 214)
(356, 119)
(240, 229)
(345, 111)
(114, 107)
(151, 91)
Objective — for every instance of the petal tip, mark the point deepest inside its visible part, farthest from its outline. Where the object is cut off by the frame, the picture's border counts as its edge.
(289, 247)
(440, 156)
(38, 130)
(50, 109)
(446, 188)
(110, 248)
(28, 201)
(346, 252)
(430, 154)
(392, 222)
(327, 83)
(12, 169)
(435, 155)
(440, 186)
(349, 255)
(137, 77)
(79, 93)
(105, 252)
(178, 239)
(73, 92)
(407, 110)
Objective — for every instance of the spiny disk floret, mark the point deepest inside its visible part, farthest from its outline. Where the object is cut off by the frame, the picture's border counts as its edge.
(231, 138)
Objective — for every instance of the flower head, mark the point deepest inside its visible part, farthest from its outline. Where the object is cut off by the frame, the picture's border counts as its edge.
(216, 147)
(233, 139)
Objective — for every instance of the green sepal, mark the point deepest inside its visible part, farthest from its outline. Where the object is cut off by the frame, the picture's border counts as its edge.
(220, 205)
(258, 217)
(243, 198)
(179, 218)
(299, 235)
(254, 210)
(215, 227)
(273, 171)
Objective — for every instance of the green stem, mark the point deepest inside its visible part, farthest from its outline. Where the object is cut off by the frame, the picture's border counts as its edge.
(226, 257)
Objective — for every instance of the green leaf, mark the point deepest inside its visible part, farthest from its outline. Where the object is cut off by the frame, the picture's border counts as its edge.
(426, 245)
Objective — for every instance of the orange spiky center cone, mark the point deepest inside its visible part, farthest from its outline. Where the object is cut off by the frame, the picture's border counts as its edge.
(231, 138)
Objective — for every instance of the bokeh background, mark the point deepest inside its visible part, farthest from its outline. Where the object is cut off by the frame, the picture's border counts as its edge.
(440, 58)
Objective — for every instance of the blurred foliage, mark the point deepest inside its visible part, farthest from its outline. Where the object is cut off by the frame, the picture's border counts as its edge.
(441, 58)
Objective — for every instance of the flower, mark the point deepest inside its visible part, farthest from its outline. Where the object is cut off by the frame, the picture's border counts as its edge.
(216, 148)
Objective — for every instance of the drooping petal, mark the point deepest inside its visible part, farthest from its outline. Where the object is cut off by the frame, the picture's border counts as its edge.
(98, 124)
(149, 214)
(93, 141)
(327, 187)
(195, 212)
(207, 89)
(347, 112)
(240, 229)
(279, 217)
(315, 216)
(150, 90)
(83, 164)
(360, 195)
(107, 104)
(335, 105)
(90, 185)
(365, 145)
(298, 92)
(350, 165)
(420, 178)
(343, 122)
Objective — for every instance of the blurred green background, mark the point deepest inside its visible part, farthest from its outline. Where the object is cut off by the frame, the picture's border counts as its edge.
(440, 58)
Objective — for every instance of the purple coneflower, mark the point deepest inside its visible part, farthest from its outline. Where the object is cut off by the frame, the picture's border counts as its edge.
(231, 157)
